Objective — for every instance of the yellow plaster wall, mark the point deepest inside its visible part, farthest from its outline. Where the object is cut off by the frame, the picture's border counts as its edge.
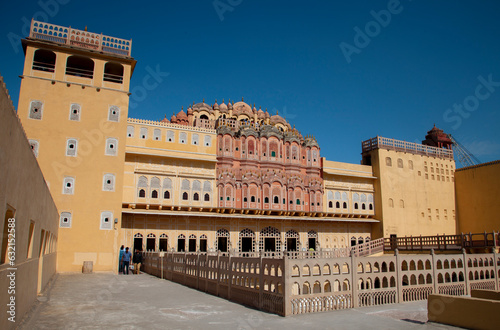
(349, 178)
(428, 205)
(163, 159)
(24, 192)
(84, 241)
(477, 191)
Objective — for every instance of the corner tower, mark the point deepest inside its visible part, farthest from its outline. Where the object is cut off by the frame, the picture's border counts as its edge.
(73, 104)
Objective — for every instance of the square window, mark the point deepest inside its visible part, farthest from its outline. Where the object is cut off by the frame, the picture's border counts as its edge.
(106, 220)
(114, 113)
(36, 109)
(65, 220)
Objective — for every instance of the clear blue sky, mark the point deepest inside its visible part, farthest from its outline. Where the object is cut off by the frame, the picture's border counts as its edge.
(402, 77)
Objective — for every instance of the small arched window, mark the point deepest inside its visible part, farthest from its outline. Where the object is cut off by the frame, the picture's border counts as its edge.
(207, 198)
(113, 72)
(182, 137)
(400, 163)
(337, 205)
(266, 200)
(156, 134)
(166, 195)
(108, 183)
(130, 131)
(252, 199)
(44, 60)
(142, 193)
(80, 66)
(185, 196)
(276, 200)
(388, 161)
(74, 112)
(196, 197)
(170, 136)
(111, 147)
(114, 113)
(154, 194)
(71, 147)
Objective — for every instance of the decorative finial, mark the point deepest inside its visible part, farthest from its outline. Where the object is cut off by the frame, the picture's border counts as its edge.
(215, 100)
(242, 99)
(203, 100)
(276, 112)
(222, 100)
(85, 28)
(182, 108)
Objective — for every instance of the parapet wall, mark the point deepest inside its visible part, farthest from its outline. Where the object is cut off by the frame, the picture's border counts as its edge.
(299, 282)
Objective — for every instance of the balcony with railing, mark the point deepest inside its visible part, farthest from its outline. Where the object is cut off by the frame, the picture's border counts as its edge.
(398, 145)
(80, 38)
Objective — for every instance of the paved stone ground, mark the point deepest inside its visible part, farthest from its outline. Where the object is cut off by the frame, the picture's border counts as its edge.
(102, 300)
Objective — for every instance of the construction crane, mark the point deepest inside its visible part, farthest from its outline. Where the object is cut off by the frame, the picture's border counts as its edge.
(464, 156)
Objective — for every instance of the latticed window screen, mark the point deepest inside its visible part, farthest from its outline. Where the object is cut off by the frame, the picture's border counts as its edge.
(36, 109)
(221, 233)
(108, 183)
(111, 146)
(74, 112)
(292, 234)
(65, 220)
(270, 232)
(68, 186)
(130, 131)
(114, 113)
(247, 233)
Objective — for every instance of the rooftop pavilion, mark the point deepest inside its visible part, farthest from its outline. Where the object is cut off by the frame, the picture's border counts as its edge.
(80, 38)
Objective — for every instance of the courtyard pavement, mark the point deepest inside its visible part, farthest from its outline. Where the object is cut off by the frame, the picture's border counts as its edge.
(108, 301)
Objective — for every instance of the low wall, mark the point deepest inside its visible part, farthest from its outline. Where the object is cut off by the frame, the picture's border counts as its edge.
(253, 281)
(296, 283)
(472, 313)
(485, 294)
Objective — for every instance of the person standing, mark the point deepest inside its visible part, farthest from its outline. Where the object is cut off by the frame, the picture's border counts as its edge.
(137, 261)
(126, 260)
(120, 261)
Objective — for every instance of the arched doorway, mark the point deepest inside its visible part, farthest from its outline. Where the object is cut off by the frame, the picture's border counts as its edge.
(292, 242)
(247, 240)
(138, 242)
(270, 239)
(222, 240)
(312, 240)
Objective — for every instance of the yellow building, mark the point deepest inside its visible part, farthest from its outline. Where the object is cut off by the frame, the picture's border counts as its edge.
(477, 189)
(226, 177)
(73, 105)
(414, 190)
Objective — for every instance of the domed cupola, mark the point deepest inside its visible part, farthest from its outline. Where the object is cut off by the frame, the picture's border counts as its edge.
(165, 120)
(223, 107)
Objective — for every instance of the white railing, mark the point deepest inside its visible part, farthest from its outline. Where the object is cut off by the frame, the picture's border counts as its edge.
(79, 38)
(416, 148)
